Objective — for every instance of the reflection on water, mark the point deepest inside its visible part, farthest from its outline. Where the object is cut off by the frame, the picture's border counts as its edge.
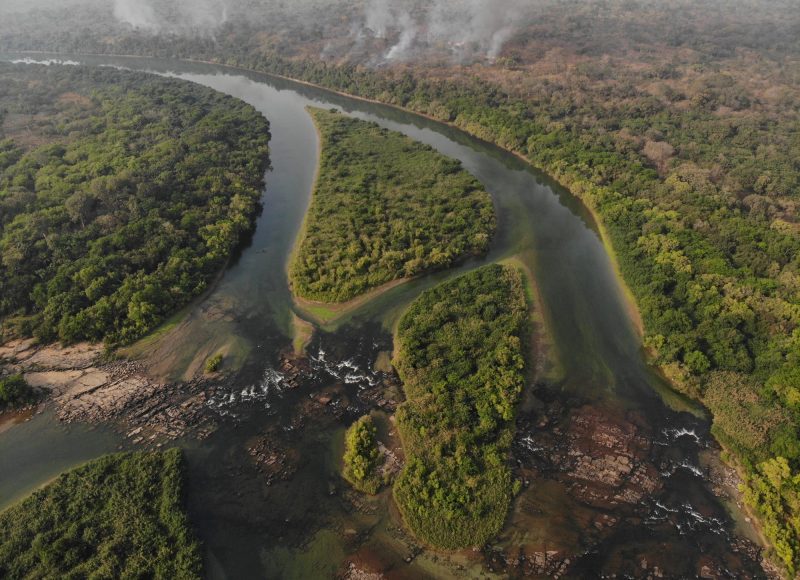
(264, 490)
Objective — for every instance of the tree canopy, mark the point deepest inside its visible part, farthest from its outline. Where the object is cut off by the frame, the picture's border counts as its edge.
(121, 516)
(385, 207)
(461, 359)
(122, 195)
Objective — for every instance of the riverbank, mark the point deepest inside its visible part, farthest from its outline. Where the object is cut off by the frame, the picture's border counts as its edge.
(563, 291)
(84, 385)
(327, 315)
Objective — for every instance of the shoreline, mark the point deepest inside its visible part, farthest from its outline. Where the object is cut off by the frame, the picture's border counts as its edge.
(329, 313)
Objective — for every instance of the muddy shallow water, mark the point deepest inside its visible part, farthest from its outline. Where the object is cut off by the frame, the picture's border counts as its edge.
(614, 479)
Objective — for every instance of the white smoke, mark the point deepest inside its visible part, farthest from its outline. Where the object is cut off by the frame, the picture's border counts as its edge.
(183, 16)
(137, 13)
(379, 18)
(466, 28)
(408, 34)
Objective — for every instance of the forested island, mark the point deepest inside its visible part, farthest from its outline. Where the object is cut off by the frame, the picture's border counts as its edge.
(461, 356)
(122, 196)
(121, 516)
(362, 459)
(384, 208)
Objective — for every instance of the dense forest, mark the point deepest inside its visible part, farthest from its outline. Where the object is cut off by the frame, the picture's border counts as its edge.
(385, 207)
(120, 516)
(460, 356)
(122, 195)
(362, 459)
(677, 123)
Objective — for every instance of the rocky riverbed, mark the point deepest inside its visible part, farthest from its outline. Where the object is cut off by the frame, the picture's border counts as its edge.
(610, 467)
(84, 386)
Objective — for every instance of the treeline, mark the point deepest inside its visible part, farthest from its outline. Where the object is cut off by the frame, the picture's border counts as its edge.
(121, 516)
(460, 356)
(122, 195)
(385, 207)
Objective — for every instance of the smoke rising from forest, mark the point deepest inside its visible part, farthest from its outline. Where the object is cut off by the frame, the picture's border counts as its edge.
(400, 30)
(464, 27)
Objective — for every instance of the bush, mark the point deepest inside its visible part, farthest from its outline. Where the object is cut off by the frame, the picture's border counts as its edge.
(15, 392)
(214, 363)
(362, 459)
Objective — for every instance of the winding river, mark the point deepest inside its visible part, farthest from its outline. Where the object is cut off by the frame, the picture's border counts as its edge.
(304, 527)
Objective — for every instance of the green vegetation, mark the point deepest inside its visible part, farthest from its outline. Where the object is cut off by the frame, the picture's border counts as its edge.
(462, 365)
(120, 516)
(122, 195)
(214, 363)
(15, 392)
(385, 207)
(362, 459)
(677, 122)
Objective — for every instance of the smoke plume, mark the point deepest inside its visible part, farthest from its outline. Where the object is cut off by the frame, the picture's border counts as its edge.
(465, 28)
(184, 16)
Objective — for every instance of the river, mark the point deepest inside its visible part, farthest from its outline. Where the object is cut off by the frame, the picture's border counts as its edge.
(307, 527)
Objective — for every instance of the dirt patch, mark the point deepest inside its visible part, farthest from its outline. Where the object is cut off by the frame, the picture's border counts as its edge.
(71, 98)
(82, 387)
(26, 355)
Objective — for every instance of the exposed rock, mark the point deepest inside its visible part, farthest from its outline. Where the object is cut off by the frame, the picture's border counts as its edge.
(355, 573)
(548, 563)
(25, 355)
(83, 388)
(276, 462)
(605, 460)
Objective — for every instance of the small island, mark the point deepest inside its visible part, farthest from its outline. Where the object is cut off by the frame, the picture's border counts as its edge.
(384, 208)
(121, 516)
(362, 457)
(461, 359)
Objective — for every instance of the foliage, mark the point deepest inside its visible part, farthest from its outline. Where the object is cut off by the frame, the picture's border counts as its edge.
(362, 459)
(385, 207)
(214, 363)
(688, 154)
(462, 365)
(120, 516)
(121, 197)
(15, 392)
(774, 489)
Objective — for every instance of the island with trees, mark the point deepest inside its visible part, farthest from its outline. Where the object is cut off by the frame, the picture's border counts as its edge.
(384, 208)
(461, 357)
(122, 196)
(362, 457)
(120, 516)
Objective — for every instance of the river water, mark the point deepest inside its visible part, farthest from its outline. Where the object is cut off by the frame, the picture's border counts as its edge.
(307, 527)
